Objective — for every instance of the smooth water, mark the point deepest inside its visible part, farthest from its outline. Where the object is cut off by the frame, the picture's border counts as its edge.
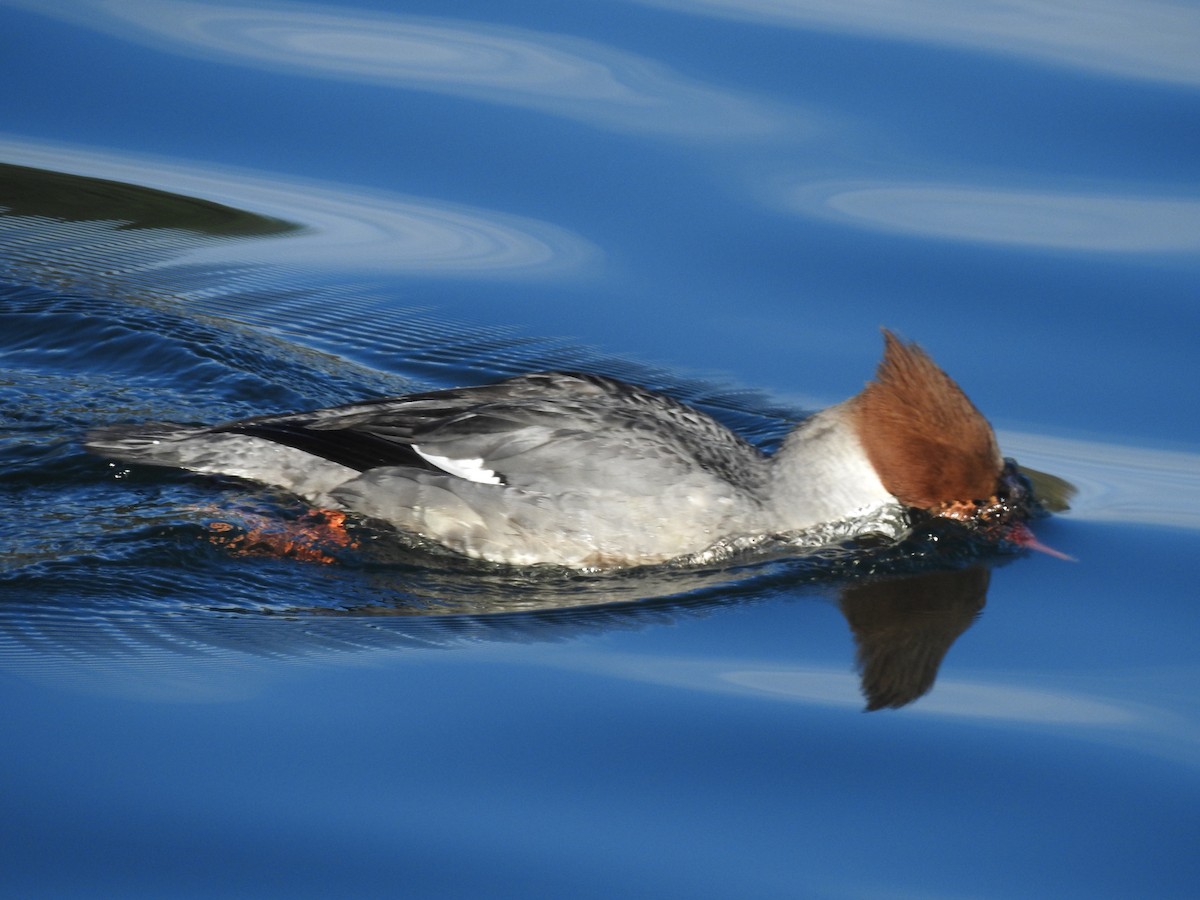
(213, 210)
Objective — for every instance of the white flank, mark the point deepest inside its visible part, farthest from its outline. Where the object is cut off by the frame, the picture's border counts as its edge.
(470, 469)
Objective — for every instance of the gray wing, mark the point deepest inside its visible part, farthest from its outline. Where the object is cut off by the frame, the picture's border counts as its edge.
(537, 432)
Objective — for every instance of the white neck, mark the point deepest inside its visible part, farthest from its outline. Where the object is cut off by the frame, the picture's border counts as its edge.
(821, 474)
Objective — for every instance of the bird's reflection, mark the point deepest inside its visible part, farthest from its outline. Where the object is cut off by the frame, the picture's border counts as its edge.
(904, 623)
(904, 626)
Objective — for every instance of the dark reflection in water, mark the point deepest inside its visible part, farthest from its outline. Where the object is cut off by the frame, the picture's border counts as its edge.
(26, 191)
(904, 626)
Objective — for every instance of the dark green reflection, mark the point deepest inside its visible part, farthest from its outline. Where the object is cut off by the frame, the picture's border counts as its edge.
(26, 191)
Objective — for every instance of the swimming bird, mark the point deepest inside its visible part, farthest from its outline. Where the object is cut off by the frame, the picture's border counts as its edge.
(587, 472)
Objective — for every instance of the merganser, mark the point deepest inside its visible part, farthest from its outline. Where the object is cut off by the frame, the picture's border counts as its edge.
(588, 472)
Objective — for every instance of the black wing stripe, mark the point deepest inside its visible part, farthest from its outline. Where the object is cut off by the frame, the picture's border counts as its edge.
(357, 450)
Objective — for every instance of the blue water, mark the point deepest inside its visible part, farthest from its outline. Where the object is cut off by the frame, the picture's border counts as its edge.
(214, 210)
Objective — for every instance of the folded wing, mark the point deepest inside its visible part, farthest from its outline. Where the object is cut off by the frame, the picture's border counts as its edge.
(544, 432)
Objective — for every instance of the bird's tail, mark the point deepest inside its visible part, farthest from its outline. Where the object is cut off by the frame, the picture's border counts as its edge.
(155, 443)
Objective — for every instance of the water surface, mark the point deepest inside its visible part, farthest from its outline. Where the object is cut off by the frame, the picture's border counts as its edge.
(217, 209)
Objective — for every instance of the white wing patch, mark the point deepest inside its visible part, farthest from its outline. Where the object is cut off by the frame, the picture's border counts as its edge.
(470, 469)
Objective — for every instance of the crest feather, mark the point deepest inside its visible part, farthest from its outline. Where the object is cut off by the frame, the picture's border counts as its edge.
(925, 438)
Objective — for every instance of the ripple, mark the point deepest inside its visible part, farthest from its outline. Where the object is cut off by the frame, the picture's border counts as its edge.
(1140, 39)
(565, 76)
(1053, 220)
(343, 229)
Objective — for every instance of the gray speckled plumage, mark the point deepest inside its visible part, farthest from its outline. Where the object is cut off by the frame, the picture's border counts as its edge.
(558, 468)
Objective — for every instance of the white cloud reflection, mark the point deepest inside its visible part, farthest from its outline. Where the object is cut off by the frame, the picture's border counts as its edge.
(1096, 222)
(1103, 718)
(344, 228)
(976, 700)
(1117, 483)
(828, 686)
(565, 76)
(1139, 39)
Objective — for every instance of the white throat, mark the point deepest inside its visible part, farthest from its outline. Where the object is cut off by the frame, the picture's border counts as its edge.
(822, 474)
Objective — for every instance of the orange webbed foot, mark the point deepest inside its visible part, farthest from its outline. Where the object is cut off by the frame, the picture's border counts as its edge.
(314, 537)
